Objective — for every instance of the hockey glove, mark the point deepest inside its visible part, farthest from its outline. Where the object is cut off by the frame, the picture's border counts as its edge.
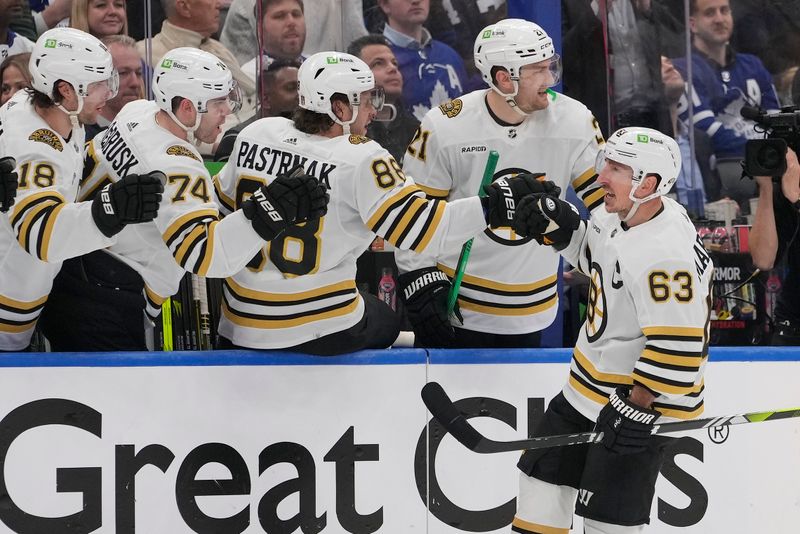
(548, 219)
(424, 293)
(286, 201)
(8, 183)
(626, 427)
(504, 195)
(133, 199)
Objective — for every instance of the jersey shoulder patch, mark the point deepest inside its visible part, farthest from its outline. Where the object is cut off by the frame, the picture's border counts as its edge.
(452, 108)
(178, 150)
(358, 139)
(48, 137)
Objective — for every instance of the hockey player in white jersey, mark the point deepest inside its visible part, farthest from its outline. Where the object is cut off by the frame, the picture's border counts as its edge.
(72, 76)
(194, 93)
(509, 292)
(300, 294)
(641, 352)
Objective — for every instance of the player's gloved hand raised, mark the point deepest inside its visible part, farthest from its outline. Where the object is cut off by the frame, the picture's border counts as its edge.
(8, 183)
(133, 199)
(286, 201)
(548, 219)
(626, 427)
(424, 293)
(504, 195)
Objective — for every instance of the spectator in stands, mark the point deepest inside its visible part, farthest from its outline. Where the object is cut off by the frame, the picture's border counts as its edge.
(433, 72)
(333, 24)
(11, 43)
(283, 34)
(393, 131)
(278, 99)
(14, 75)
(697, 182)
(774, 237)
(723, 81)
(99, 17)
(192, 23)
(50, 13)
(131, 82)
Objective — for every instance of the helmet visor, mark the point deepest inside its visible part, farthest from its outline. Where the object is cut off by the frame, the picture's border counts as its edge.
(377, 98)
(110, 84)
(233, 101)
(600, 160)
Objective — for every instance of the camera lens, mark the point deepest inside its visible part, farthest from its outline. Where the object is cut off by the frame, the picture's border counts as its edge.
(769, 157)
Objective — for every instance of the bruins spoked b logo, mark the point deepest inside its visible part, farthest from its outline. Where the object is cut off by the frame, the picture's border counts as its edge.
(596, 305)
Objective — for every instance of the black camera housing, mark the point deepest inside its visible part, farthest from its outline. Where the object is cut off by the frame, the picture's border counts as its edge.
(767, 157)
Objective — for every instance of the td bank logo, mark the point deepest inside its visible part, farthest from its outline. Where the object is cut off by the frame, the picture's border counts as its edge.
(332, 60)
(50, 43)
(486, 34)
(167, 63)
(642, 138)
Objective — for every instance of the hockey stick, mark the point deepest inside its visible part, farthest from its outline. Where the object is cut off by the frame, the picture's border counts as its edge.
(443, 409)
(452, 297)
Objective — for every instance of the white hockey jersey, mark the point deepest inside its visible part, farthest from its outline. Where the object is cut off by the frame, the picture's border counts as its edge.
(510, 283)
(187, 234)
(647, 318)
(45, 226)
(302, 286)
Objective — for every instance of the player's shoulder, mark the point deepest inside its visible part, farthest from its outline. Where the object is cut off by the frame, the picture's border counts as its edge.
(668, 238)
(454, 113)
(267, 128)
(353, 149)
(565, 117)
(26, 135)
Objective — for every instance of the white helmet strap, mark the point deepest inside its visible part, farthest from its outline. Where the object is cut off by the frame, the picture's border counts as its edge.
(188, 129)
(510, 97)
(345, 124)
(73, 115)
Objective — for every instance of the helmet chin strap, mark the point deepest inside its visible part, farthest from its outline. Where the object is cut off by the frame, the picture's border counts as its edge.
(73, 115)
(509, 98)
(188, 129)
(345, 124)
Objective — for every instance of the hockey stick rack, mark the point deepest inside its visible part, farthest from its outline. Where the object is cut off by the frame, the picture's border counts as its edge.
(443, 409)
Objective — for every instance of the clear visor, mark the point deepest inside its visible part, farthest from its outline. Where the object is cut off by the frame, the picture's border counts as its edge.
(555, 69)
(600, 160)
(552, 69)
(377, 97)
(111, 85)
(227, 104)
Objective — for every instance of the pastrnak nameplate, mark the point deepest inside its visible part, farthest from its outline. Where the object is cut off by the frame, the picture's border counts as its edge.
(177, 150)
(452, 108)
(48, 137)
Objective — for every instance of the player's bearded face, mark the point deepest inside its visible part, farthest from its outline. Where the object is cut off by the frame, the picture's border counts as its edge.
(616, 180)
(212, 120)
(534, 80)
(99, 94)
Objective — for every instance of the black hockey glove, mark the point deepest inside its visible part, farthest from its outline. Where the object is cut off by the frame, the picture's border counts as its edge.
(8, 183)
(424, 293)
(504, 195)
(286, 201)
(133, 199)
(548, 219)
(626, 427)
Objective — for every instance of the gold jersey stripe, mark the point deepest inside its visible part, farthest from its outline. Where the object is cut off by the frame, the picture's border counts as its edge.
(92, 191)
(205, 261)
(22, 304)
(536, 528)
(391, 202)
(188, 244)
(509, 312)
(411, 209)
(595, 197)
(430, 230)
(660, 387)
(23, 235)
(16, 328)
(288, 297)
(227, 201)
(681, 414)
(598, 375)
(682, 331)
(288, 323)
(18, 210)
(502, 286)
(433, 192)
(583, 178)
(154, 297)
(50, 224)
(178, 224)
(683, 361)
(586, 392)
